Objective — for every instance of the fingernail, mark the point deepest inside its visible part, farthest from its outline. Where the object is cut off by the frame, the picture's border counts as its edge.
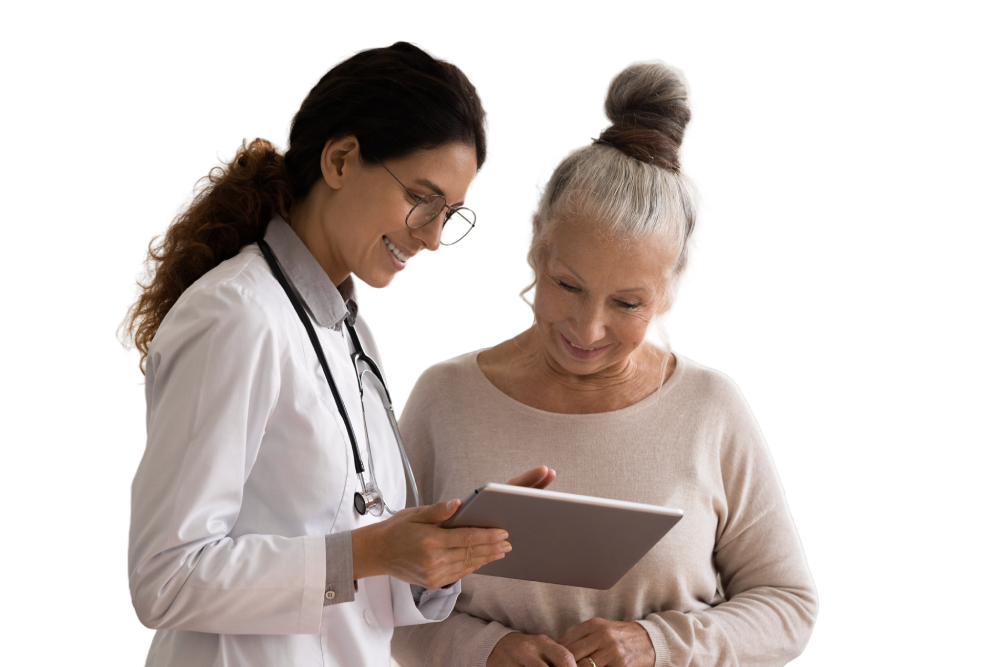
(506, 546)
(504, 535)
(451, 504)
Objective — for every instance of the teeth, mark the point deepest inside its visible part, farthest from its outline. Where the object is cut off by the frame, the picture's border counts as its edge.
(588, 349)
(395, 251)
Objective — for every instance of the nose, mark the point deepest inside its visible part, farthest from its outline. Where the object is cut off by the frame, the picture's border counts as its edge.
(588, 323)
(430, 234)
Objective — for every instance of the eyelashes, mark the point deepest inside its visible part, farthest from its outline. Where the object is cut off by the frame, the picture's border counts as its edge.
(624, 304)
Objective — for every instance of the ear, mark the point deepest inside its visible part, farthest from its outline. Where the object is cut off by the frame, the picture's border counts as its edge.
(339, 156)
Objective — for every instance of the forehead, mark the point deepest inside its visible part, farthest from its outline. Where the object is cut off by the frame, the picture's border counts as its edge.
(577, 245)
(446, 170)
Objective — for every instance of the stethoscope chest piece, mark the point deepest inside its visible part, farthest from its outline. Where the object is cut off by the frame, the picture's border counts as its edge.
(368, 502)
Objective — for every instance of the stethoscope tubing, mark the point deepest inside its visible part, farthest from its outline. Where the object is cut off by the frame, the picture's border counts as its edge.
(373, 368)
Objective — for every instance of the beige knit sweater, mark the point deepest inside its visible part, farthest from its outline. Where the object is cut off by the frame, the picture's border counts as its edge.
(693, 445)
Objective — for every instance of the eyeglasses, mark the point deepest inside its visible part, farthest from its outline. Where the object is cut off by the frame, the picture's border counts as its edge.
(458, 222)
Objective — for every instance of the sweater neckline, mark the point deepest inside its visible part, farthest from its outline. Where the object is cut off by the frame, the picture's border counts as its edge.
(613, 415)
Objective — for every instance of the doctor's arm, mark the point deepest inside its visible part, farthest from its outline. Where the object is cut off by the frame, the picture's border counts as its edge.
(212, 382)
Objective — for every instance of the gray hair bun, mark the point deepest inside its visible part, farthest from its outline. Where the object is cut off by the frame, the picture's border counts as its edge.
(648, 108)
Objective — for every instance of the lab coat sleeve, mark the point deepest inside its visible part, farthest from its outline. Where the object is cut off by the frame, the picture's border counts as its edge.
(212, 381)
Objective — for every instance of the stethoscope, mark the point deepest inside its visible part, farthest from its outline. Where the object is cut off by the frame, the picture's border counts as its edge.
(370, 499)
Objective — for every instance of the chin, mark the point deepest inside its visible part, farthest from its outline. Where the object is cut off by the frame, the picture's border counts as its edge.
(378, 281)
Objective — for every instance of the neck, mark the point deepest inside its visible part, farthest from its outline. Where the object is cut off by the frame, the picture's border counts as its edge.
(622, 373)
(309, 224)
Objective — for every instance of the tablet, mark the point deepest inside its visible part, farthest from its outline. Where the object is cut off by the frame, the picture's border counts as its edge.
(563, 538)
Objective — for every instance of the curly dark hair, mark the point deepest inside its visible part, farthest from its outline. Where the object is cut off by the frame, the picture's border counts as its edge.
(395, 100)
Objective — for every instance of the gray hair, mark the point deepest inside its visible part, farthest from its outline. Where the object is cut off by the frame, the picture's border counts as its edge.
(629, 182)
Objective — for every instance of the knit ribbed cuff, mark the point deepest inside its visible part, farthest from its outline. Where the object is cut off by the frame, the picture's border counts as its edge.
(487, 641)
(659, 640)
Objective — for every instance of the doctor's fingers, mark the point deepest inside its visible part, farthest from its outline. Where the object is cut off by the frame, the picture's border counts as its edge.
(460, 538)
(455, 566)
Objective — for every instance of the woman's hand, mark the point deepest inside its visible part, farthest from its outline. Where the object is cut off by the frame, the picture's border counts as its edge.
(609, 644)
(517, 650)
(413, 548)
(536, 478)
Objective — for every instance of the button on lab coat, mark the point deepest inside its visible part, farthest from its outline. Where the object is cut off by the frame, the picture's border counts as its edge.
(248, 467)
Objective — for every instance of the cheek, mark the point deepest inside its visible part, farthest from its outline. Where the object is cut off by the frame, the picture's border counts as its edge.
(631, 329)
(550, 304)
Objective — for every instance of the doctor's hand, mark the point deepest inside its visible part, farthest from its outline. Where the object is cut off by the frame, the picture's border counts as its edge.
(610, 644)
(536, 478)
(517, 650)
(411, 547)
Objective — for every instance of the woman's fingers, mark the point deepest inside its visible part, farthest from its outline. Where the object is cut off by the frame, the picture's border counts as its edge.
(572, 638)
(610, 643)
(515, 649)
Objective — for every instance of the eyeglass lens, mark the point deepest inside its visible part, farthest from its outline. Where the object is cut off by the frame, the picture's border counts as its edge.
(458, 221)
(458, 227)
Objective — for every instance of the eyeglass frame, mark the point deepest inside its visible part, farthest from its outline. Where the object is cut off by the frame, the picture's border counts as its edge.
(453, 209)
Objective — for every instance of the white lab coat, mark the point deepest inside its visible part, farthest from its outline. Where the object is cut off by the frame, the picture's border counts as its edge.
(247, 467)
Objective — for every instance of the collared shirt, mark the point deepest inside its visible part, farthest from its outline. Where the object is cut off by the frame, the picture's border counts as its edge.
(239, 549)
(327, 307)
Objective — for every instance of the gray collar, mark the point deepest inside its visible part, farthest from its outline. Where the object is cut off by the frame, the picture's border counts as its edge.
(328, 304)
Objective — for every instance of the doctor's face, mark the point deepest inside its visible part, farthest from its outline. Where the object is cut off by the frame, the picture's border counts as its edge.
(595, 296)
(369, 220)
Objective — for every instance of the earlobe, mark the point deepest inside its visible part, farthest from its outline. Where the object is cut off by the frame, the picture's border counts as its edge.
(337, 158)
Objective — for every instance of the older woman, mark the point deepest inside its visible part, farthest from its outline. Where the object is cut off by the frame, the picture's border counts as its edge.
(618, 417)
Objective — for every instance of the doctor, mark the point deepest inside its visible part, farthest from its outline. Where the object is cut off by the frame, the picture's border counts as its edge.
(266, 525)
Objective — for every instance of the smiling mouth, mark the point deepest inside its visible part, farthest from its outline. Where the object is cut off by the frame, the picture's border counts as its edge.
(400, 255)
(582, 352)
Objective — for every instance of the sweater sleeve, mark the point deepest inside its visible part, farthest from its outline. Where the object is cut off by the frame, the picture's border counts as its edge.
(770, 602)
(461, 640)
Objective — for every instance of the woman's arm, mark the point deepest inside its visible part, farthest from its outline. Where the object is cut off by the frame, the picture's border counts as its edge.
(459, 641)
(770, 602)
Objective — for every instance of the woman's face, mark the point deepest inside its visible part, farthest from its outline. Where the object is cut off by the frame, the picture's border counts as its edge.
(363, 220)
(595, 297)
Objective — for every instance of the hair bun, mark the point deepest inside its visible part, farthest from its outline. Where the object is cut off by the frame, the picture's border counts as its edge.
(648, 108)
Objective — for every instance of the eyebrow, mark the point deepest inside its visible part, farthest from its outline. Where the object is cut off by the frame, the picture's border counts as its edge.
(431, 185)
(617, 291)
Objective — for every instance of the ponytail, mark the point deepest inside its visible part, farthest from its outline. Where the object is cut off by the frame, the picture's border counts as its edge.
(230, 211)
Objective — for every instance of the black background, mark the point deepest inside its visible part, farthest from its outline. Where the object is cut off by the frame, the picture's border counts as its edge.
(749, 311)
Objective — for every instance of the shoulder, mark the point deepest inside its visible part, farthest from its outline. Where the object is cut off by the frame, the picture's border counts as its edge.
(713, 397)
(707, 383)
(445, 382)
(239, 297)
